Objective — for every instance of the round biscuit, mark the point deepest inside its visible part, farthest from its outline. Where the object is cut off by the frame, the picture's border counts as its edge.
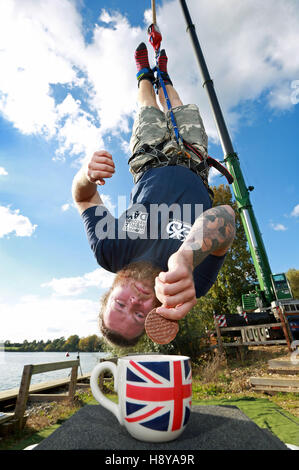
(160, 329)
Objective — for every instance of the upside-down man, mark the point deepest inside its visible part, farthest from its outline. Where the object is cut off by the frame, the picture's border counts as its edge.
(169, 245)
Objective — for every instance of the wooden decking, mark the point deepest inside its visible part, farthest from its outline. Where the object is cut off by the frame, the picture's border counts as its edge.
(36, 392)
(40, 387)
(283, 377)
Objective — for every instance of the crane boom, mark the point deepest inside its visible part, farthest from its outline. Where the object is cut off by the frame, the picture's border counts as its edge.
(241, 192)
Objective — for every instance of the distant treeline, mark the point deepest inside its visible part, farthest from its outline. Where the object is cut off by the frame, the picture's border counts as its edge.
(88, 344)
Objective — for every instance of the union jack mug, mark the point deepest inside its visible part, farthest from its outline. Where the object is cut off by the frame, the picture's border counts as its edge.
(154, 394)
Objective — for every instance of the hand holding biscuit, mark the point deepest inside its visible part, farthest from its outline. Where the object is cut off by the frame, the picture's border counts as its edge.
(175, 288)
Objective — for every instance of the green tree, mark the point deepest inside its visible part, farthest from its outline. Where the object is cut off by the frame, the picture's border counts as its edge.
(90, 343)
(72, 343)
(293, 278)
(39, 346)
(49, 347)
(56, 345)
(25, 346)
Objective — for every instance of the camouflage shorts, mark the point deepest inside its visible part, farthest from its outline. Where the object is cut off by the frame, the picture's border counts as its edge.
(152, 127)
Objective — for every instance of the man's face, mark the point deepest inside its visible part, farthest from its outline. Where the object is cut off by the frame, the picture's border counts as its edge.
(127, 307)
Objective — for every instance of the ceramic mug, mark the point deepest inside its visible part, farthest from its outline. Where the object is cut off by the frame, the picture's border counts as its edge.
(154, 394)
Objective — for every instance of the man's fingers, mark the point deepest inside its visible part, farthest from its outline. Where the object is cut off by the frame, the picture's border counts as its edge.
(98, 175)
(104, 160)
(174, 288)
(178, 312)
(172, 276)
(94, 166)
(103, 153)
(180, 298)
(101, 182)
(173, 300)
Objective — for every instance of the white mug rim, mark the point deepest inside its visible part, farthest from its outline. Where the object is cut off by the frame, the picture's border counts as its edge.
(153, 358)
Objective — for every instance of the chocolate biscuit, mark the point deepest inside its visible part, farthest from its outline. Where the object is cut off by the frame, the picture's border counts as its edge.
(160, 329)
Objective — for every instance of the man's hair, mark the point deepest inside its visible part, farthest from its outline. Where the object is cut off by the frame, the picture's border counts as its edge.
(112, 337)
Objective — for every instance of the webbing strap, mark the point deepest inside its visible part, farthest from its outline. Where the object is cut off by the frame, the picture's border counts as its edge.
(155, 39)
(212, 162)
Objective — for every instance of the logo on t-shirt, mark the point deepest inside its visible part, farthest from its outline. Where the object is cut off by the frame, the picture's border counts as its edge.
(136, 222)
(178, 229)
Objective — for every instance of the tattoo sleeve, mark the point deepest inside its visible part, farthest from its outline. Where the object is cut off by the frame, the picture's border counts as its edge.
(213, 230)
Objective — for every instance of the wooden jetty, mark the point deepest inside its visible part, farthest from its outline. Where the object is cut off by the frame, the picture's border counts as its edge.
(39, 388)
(18, 397)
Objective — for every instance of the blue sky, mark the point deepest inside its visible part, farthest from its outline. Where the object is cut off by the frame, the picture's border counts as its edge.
(68, 88)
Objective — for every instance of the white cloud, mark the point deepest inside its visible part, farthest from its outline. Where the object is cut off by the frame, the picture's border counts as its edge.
(42, 46)
(278, 227)
(78, 133)
(72, 286)
(107, 201)
(245, 55)
(295, 212)
(12, 221)
(3, 172)
(65, 207)
(34, 317)
(33, 57)
(213, 174)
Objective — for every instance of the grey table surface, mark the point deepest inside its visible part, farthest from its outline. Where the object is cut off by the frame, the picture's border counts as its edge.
(209, 428)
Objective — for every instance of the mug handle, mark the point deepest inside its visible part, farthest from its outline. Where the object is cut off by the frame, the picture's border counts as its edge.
(99, 396)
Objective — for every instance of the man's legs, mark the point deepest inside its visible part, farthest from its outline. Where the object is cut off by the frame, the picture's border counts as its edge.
(146, 92)
(147, 96)
(173, 96)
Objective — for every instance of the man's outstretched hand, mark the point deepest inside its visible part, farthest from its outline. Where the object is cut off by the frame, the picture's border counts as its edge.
(175, 288)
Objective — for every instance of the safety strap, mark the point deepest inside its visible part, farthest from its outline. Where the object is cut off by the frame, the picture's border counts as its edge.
(160, 159)
(212, 162)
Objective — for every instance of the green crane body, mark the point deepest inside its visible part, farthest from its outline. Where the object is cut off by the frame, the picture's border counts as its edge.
(269, 291)
(253, 234)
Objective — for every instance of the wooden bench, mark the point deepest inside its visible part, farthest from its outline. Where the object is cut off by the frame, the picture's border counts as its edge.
(31, 369)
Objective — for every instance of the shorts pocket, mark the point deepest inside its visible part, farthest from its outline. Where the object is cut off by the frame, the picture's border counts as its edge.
(190, 125)
(150, 127)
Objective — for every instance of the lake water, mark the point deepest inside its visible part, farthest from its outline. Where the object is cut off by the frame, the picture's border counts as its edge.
(12, 363)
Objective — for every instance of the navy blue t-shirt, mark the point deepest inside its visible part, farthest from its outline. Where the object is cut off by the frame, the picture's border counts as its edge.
(163, 206)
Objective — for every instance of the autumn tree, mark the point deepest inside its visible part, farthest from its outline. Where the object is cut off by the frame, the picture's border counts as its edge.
(90, 343)
(72, 343)
(293, 278)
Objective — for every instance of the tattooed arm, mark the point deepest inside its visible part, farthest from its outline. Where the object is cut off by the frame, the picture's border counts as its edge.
(212, 233)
